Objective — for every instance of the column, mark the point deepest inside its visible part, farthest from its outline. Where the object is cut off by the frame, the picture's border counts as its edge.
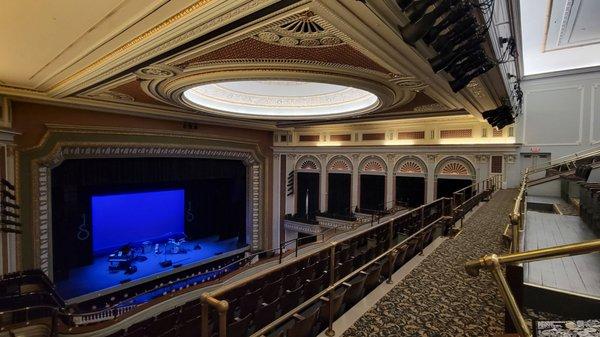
(389, 183)
(355, 181)
(324, 193)
(276, 200)
(430, 179)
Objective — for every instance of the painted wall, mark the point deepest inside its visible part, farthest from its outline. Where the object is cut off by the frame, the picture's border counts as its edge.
(561, 114)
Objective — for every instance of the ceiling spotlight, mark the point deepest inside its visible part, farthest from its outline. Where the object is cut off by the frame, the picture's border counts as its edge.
(460, 83)
(467, 64)
(460, 32)
(418, 8)
(457, 13)
(413, 32)
(442, 61)
(403, 3)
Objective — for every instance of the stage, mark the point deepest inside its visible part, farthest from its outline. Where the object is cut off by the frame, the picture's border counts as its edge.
(94, 280)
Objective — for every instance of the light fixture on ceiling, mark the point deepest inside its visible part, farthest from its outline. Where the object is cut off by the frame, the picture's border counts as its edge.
(280, 99)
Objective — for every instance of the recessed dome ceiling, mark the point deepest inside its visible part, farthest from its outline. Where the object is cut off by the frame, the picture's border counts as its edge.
(280, 99)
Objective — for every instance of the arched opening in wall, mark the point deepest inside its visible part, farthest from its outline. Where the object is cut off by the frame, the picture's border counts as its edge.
(339, 186)
(307, 187)
(453, 174)
(410, 181)
(372, 185)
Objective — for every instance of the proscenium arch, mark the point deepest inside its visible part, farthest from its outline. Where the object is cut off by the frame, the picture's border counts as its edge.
(455, 167)
(373, 164)
(339, 164)
(410, 166)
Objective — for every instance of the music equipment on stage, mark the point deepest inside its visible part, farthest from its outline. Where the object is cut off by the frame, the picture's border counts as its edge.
(122, 259)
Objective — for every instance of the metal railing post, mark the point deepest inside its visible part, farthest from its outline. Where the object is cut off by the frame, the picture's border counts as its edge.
(330, 331)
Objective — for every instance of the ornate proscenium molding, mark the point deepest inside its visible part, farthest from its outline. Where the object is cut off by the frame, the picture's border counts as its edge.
(42, 168)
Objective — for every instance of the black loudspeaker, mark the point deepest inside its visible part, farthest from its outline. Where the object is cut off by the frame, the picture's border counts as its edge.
(415, 31)
(460, 83)
(403, 3)
(457, 13)
(418, 8)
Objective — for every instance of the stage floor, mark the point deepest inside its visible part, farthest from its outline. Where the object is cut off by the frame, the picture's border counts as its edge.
(95, 279)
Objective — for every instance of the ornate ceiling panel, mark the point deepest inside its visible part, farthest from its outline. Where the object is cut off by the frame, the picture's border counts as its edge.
(147, 65)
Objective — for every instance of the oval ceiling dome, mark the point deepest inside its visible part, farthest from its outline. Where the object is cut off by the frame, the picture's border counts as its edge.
(280, 99)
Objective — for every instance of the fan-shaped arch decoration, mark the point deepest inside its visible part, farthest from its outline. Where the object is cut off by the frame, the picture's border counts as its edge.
(456, 167)
(339, 164)
(410, 166)
(308, 164)
(373, 165)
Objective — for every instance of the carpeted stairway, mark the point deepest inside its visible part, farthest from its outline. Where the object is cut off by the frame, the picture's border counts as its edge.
(438, 298)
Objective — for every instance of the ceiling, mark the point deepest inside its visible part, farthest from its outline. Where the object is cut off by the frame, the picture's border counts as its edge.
(140, 57)
(559, 35)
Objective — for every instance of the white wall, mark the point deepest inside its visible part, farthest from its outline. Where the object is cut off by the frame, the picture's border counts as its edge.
(561, 114)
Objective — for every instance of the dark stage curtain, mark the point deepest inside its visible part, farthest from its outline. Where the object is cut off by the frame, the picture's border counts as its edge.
(338, 199)
(372, 192)
(410, 190)
(307, 183)
(446, 187)
(215, 198)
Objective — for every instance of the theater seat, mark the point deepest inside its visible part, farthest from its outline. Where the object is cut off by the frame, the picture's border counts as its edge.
(355, 289)
(239, 328)
(372, 273)
(336, 304)
(304, 322)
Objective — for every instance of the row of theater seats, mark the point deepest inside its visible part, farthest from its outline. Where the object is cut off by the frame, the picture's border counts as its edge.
(261, 301)
(589, 205)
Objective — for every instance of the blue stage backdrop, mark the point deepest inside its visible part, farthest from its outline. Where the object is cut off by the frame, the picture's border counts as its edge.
(120, 219)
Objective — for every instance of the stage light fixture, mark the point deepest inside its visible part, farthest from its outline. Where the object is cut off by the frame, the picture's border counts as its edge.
(499, 117)
(460, 83)
(461, 31)
(413, 32)
(454, 15)
(418, 8)
(403, 3)
(442, 61)
(467, 64)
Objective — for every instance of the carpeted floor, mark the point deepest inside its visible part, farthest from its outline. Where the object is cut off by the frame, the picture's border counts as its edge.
(438, 298)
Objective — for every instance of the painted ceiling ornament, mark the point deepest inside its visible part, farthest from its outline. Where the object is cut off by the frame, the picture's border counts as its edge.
(430, 107)
(407, 82)
(112, 96)
(475, 88)
(303, 30)
(157, 71)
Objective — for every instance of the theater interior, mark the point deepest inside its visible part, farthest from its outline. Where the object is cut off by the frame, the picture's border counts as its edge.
(299, 168)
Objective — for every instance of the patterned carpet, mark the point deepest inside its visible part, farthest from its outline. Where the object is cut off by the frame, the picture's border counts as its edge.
(438, 298)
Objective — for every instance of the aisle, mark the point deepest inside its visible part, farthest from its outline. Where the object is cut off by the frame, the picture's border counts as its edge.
(438, 298)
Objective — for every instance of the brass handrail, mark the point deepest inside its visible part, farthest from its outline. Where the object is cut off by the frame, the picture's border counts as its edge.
(567, 159)
(493, 263)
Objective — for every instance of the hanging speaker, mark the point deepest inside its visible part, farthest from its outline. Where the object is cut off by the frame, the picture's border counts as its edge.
(413, 32)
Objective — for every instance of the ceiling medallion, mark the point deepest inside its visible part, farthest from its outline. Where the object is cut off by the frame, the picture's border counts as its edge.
(280, 99)
(303, 31)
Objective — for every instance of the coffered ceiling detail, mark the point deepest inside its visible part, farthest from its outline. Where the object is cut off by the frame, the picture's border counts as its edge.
(146, 63)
